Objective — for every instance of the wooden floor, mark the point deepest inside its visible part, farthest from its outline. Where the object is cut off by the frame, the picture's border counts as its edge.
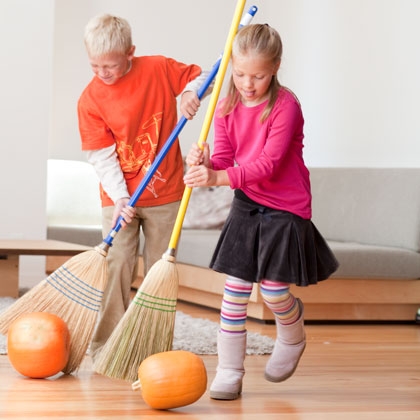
(347, 372)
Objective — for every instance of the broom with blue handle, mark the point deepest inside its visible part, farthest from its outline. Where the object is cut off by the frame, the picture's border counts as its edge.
(74, 291)
(107, 242)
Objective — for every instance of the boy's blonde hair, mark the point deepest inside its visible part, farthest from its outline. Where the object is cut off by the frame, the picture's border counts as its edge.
(259, 39)
(106, 34)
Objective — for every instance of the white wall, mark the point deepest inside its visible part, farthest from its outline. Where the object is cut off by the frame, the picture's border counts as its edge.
(353, 64)
(26, 34)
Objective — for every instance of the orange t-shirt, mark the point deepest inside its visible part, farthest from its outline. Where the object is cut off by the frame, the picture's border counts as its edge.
(138, 113)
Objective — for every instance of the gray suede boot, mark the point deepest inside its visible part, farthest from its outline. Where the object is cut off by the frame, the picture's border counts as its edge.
(288, 349)
(231, 348)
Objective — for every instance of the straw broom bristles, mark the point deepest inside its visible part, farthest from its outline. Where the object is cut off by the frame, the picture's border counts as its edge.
(146, 327)
(74, 293)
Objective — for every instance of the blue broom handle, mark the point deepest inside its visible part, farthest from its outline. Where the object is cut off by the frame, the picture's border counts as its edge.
(173, 136)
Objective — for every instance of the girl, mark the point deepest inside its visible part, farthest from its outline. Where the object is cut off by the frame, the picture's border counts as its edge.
(268, 237)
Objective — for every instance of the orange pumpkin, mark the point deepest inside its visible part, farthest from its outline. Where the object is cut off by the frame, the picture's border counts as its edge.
(38, 344)
(171, 379)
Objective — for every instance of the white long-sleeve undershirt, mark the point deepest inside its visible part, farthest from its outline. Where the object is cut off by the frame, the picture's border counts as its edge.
(110, 174)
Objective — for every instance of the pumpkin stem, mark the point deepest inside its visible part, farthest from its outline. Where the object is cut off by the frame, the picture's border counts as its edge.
(136, 386)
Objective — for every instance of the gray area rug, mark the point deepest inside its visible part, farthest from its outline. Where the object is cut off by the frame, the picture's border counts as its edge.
(192, 334)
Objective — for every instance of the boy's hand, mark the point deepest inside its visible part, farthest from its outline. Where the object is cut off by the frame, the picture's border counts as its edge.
(189, 104)
(126, 212)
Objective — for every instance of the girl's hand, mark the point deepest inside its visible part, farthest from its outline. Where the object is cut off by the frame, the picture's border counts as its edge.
(201, 173)
(200, 176)
(126, 212)
(196, 156)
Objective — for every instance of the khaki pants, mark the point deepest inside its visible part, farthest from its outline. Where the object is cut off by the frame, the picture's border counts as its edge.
(157, 224)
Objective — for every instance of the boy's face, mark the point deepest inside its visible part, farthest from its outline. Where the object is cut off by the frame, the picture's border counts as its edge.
(111, 67)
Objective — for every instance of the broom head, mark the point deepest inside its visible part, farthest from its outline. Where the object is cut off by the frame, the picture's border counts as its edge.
(147, 326)
(74, 293)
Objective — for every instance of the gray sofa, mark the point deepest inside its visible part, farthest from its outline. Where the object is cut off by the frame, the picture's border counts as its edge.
(369, 216)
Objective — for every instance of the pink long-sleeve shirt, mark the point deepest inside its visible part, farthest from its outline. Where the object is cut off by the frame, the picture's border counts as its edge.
(265, 160)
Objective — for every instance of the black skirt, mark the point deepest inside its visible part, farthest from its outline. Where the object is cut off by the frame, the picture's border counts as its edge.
(259, 243)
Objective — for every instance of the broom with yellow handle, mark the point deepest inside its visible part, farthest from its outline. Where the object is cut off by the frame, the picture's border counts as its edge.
(148, 324)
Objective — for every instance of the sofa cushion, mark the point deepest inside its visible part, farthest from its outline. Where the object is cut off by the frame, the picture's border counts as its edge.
(370, 261)
(196, 246)
(372, 206)
(208, 208)
(78, 234)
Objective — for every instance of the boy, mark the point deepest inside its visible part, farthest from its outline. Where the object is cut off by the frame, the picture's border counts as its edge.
(126, 113)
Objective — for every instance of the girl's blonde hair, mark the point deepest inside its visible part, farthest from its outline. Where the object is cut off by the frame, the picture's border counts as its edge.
(258, 39)
(106, 34)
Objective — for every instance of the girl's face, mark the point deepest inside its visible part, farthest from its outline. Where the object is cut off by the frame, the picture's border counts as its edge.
(111, 67)
(252, 76)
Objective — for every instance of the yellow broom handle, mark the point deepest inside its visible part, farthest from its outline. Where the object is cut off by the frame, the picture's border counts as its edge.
(176, 232)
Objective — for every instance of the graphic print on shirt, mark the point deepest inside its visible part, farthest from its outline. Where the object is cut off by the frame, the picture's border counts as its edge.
(140, 155)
